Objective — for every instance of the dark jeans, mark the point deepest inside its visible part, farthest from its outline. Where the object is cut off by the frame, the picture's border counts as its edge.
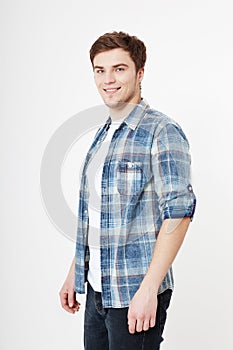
(107, 328)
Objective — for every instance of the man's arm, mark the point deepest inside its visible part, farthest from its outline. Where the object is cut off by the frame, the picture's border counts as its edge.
(67, 293)
(143, 306)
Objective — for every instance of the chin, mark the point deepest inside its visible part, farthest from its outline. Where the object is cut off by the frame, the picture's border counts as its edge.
(115, 104)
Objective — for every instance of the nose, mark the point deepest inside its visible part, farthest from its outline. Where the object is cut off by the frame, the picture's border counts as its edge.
(109, 77)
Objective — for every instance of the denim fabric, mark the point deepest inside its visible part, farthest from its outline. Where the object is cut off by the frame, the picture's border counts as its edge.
(107, 328)
(146, 179)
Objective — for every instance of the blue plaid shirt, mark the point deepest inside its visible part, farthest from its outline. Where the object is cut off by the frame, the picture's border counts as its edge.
(146, 179)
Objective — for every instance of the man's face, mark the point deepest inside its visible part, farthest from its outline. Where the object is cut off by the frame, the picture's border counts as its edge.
(116, 78)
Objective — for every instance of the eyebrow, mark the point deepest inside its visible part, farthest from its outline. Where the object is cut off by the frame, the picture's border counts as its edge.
(114, 66)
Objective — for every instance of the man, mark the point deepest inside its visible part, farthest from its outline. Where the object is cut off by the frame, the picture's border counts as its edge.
(130, 234)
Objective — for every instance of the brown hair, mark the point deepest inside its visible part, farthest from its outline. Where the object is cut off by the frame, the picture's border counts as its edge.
(115, 40)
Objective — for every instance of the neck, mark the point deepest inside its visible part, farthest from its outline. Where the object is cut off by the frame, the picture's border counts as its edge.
(122, 110)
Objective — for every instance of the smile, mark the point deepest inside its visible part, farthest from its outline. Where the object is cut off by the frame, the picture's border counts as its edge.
(111, 90)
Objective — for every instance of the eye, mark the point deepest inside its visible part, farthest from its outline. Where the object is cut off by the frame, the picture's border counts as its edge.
(120, 69)
(99, 71)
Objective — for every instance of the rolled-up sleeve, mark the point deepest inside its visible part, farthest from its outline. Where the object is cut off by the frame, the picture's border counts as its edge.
(171, 167)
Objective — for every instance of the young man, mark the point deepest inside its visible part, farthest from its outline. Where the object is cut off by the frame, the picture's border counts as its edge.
(129, 235)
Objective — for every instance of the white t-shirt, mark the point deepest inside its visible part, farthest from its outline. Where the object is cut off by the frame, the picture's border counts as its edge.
(94, 177)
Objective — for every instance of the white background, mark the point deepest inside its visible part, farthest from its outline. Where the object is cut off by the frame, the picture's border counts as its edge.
(45, 79)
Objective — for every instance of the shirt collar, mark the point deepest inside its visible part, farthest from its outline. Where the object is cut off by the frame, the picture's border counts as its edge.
(134, 116)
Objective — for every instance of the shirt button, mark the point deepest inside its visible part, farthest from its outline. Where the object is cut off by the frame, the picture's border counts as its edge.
(85, 211)
(104, 242)
(190, 188)
(131, 165)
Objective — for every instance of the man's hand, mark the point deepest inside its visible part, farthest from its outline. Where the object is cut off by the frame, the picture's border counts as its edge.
(143, 306)
(142, 310)
(67, 293)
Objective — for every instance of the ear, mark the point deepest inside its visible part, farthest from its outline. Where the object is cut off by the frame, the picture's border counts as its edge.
(141, 74)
